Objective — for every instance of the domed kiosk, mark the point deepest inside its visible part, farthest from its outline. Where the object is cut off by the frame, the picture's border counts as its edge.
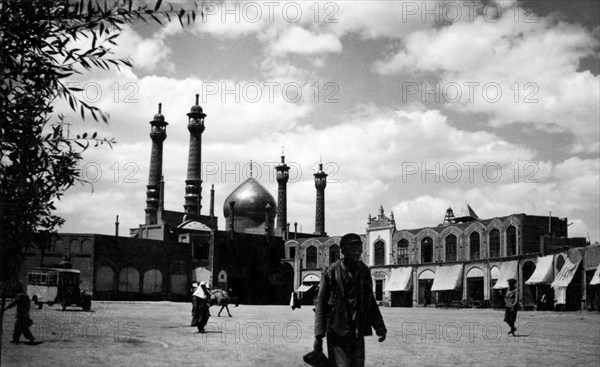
(252, 206)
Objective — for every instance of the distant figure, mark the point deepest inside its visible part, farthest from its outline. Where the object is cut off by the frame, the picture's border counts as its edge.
(346, 310)
(200, 307)
(427, 300)
(512, 306)
(542, 303)
(23, 322)
(233, 297)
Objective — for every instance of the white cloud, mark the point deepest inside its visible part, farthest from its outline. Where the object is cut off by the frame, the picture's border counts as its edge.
(301, 41)
(542, 57)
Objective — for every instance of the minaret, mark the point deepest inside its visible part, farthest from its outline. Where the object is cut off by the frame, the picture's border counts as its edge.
(212, 202)
(193, 189)
(320, 183)
(282, 178)
(158, 134)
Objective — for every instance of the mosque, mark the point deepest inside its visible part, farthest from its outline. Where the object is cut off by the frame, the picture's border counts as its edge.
(463, 262)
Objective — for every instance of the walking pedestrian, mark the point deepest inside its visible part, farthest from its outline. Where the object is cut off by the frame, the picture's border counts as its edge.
(512, 305)
(22, 322)
(346, 309)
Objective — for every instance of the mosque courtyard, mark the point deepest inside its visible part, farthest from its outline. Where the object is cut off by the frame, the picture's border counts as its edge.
(157, 334)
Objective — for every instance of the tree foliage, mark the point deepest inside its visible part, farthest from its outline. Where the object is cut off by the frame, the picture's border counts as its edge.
(38, 53)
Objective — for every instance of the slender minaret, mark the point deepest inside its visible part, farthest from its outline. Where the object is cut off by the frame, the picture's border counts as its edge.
(320, 183)
(212, 201)
(282, 178)
(158, 134)
(193, 188)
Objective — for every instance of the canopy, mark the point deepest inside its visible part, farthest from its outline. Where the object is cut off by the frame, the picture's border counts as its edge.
(543, 273)
(304, 288)
(311, 278)
(494, 272)
(400, 280)
(596, 278)
(447, 278)
(508, 270)
(564, 277)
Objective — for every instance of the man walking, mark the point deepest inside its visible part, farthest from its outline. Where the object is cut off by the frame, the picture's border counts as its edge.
(346, 309)
(512, 306)
(22, 322)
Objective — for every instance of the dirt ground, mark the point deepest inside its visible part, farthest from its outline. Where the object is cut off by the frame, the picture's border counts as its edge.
(157, 334)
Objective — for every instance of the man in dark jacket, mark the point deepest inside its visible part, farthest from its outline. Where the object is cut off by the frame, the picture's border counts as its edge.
(346, 310)
(22, 302)
(512, 306)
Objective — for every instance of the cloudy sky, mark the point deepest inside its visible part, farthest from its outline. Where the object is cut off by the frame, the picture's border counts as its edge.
(415, 106)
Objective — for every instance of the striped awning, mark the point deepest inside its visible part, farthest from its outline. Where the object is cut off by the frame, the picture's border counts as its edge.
(447, 278)
(596, 278)
(304, 288)
(544, 271)
(564, 277)
(508, 270)
(400, 280)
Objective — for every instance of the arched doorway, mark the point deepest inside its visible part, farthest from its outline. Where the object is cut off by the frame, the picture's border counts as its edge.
(529, 291)
(496, 294)
(425, 282)
(475, 285)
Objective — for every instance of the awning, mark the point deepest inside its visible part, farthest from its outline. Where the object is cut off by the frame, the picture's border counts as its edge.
(304, 288)
(596, 278)
(564, 277)
(508, 270)
(311, 278)
(495, 272)
(447, 278)
(544, 273)
(400, 280)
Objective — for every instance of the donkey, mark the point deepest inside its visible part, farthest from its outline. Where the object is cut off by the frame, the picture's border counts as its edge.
(220, 298)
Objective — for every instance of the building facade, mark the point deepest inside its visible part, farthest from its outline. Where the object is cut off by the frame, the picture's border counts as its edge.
(465, 261)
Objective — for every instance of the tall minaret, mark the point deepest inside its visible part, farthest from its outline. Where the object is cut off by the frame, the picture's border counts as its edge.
(193, 189)
(282, 178)
(320, 183)
(158, 134)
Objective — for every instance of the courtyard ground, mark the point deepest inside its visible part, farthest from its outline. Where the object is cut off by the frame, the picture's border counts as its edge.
(157, 334)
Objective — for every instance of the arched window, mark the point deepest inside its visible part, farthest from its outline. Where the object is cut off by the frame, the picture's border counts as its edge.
(334, 253)
(451, 247)
(511, 241)
(403, 252)
(152, 282)
(494, 243)
(379, 253)
(426, 250)
(311, 257)
(104, 279)
(129, 280)
(474, 246)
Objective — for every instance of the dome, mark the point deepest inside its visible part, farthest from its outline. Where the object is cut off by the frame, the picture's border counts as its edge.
(250, 198)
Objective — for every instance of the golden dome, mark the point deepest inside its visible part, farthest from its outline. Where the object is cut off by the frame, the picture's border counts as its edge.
(250, 198)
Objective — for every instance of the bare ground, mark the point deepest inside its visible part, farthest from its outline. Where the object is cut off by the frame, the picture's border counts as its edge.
(157, 334)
